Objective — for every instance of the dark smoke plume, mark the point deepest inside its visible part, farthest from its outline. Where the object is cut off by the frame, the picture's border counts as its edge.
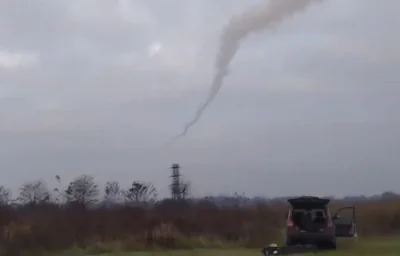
(255, 19)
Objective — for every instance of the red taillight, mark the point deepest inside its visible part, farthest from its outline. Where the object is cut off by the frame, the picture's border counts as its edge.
(289, 224)
(330, 224)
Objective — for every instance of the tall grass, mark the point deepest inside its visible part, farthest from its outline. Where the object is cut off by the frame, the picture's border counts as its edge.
(50, 227)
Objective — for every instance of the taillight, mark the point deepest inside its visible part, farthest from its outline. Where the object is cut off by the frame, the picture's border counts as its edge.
(330, 224)
(289, 224)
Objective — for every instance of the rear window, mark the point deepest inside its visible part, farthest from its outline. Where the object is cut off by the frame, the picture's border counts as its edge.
(316, 212)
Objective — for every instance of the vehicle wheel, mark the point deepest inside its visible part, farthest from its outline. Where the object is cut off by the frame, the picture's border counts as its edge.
(290, 242)
(332, 245)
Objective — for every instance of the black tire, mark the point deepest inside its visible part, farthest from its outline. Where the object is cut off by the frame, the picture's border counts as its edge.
(332, 245)
(289, 242)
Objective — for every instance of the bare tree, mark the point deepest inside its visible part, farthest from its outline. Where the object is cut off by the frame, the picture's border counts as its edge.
(82, 190)
(34, 193)
(140, 193)
(59, 196)
(185, 190)
(5, 196)
(112, 191)
(181, 190)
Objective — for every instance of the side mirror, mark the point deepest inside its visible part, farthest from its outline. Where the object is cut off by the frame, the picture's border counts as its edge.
(336, 217)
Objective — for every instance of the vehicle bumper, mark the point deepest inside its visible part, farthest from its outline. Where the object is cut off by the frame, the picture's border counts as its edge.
(311, 238)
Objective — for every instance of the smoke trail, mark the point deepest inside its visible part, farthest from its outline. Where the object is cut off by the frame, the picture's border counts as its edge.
(256, 19)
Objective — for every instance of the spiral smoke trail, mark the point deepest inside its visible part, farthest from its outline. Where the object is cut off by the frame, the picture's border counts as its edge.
(255, 19)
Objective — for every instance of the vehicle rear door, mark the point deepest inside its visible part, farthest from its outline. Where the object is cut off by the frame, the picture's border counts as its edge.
(307, 205)
(308, 202)
(345, 222)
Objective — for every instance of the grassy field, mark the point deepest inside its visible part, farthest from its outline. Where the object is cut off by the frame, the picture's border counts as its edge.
(370, 247)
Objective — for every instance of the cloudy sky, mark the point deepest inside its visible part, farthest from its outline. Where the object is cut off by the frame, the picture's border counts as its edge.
(98, 87)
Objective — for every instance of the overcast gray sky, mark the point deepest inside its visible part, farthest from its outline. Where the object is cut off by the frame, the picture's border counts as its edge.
(97, 87)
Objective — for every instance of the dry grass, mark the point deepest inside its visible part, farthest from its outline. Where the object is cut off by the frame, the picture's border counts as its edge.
(366, 247)
(54, 228)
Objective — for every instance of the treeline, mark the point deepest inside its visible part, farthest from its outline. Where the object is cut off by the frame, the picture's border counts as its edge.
(82, 190)
(42, 219)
